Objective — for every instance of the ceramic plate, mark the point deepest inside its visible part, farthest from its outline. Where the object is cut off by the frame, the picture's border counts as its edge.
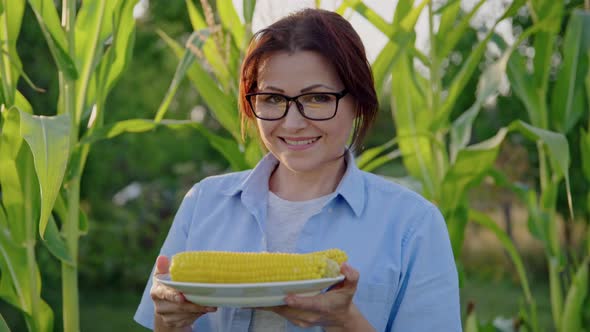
(248, 295)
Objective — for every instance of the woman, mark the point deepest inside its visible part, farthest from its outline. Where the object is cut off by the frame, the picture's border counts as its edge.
(307, 87)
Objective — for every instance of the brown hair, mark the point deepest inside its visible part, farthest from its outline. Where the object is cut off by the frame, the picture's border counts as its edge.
(328, 34)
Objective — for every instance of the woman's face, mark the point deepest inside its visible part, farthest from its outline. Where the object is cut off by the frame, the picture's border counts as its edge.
(300, 144)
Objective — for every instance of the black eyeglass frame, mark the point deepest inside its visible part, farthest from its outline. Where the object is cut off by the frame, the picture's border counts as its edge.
(300, 108)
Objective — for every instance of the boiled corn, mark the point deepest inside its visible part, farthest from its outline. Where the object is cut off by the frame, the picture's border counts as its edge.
(250, 267)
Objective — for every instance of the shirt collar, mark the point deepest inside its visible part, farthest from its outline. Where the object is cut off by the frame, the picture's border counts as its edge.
(351, 188)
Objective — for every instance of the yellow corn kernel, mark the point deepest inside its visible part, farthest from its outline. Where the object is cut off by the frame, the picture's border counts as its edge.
(338, 255)
(250, 267)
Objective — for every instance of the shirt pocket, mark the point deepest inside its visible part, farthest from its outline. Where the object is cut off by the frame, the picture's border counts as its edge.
(374, 300)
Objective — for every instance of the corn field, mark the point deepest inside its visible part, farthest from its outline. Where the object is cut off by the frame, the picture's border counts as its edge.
(42, 158)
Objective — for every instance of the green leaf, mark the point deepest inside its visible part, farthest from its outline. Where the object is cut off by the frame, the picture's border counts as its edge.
(568, 95)
(487, 222)
(557, 148)
(381, 160)
(227, 147)
(55, 243)
(221, 104)
(413, 120)
(471, 322)
(248, 6)
(231, 21)
(22, 103)
(585, 152)
(552, 15)
(118, 56)
(556, 144)
(373, 17)
(471, 165)
(3, 325)
(13, 196)
(488, 85)
(212, 54)
(195, 42)
(459, 82)
(448, 38)
(49, 141)
(10, 24)
(572, 311)
(370, 154)
(49, 21)
(89, 42)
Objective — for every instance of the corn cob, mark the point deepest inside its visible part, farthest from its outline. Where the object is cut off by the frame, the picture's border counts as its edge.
(250, 267)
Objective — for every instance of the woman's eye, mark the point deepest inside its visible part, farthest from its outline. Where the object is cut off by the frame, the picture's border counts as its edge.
(272, 99)
(319, 98)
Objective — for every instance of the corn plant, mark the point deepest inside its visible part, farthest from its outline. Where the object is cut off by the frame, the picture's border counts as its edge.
(41, 157)
(557, 107)
(213, 69)
(434, 147)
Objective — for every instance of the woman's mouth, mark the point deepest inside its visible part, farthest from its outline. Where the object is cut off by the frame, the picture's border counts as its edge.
(300, 142)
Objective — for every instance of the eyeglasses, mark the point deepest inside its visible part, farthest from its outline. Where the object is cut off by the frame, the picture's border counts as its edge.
(318, 106)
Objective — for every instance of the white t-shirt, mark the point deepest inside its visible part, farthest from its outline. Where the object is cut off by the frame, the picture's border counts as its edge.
(285, 220)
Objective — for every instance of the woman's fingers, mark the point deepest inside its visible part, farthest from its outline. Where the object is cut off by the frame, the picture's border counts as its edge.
(162, 265)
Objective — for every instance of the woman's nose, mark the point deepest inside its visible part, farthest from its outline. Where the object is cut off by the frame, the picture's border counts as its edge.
(294, 119)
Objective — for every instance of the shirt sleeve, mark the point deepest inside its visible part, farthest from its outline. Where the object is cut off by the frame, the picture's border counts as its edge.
(428, 297)
(175, 242)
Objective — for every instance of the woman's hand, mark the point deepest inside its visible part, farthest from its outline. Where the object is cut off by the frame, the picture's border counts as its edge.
(332, 310)
(172, 310)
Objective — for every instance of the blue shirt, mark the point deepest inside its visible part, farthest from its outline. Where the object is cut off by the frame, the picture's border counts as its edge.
(395, 238)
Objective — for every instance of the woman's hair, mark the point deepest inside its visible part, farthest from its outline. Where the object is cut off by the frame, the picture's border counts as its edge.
(328, 34)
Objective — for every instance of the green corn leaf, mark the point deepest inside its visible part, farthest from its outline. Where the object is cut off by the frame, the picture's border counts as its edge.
(412, 121)
(471, 322)
(487, 222)
(212, 54)
(585, 152)
(88, 42)
(551, 15)
(449, 13)
(1, 12)
(460, 81)
(368, 155)
(195, 42)
(231, 21)
(10, 24)
(568, 95)
(448, 39)
(471, 165)
(13, 196)
(120, 52)
(49, 21)
(488, 85)
(3, 324)
(381, 160)
(13, 265)
(222, 105)
(401, 39)
(55, 243)
(557, 148)
(576, 295)
(249, 6)
(49, 139)
(378, 22)
(227, 147)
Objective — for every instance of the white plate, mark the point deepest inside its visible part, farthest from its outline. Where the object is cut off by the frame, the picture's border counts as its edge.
(265, 294)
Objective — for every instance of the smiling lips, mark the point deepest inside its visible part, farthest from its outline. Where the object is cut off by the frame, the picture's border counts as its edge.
(299, 142)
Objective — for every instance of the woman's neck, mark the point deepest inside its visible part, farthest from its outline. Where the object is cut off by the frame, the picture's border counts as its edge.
(304, 186)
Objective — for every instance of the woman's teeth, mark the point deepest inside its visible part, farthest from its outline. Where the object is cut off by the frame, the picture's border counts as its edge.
(308, 141)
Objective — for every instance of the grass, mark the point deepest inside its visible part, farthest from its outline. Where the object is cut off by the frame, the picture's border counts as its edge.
(102, 309)
(503, 298)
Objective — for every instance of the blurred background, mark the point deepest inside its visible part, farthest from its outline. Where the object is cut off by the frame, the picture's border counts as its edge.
(512, 206)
